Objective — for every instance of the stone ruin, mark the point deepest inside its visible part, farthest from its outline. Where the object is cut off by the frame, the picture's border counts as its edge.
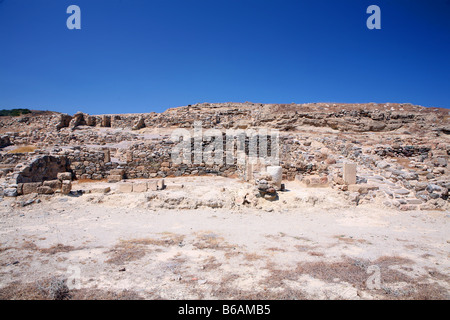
(397, 152)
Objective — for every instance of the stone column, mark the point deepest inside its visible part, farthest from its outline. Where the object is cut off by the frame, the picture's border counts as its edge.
(276, 172)
(107, 156)
(349, 173)
(248, 174)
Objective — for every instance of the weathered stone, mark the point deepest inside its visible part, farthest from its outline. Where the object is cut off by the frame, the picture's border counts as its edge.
(270, 196)
(263, 185)
(315, 182)
(408, 207)
(434, 195)
(107, 157)
(64, 176)
(66, 187)
(45, 190)
(410, 176)
(125, 187)
(120, 172)
(276, 173)
(152, 185)
(413, 201)
(362, 188)
(105, 121)
(420, 186)
(54, 184)
(10, 192)
(139, 124)
(30, 187)
(401, 191)
(114, 178)
(4, 141)
(100, 190)
(354, 197)
(140, 187)
(383, 165)
(160, 184)
(174, 186)
(433, 188)
(349, 174)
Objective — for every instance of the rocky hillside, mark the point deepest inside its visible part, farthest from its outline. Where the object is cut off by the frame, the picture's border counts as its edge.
(285, 117)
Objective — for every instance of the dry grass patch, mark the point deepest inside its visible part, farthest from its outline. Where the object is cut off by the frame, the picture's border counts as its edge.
(209, 240)
(59, 248)
(47, 289)
(56, 289)
(97, 294)
(303, 248)
(350, 239)
(210, 263)
(166, 241)
(126, 252)
(29, 245)
(355, 273)
(252, 256)
(387, 261)
(316, 254)
(274, 249)
(284, 235)
(135, 249)
(226, 290)
(22, 291)
(426, 255)
(438, 275)
(3, 249)
(231, 254)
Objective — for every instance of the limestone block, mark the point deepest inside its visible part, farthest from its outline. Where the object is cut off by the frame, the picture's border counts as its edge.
(152, 185)
(19, 189)
(160, 184)
(126, 187)
(100, 190)
(362, 188)
(30, 187)
(277, 173)
(64, 176)
(174, 186)
(66, 187)
(45, 190)
(349, 173)
(140, 187)
(117, 172)
(114, 178)
(54, 184)
(107, 157)
(248, 171)
(413, 201)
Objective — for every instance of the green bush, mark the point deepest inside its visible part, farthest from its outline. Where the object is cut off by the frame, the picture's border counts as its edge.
(14, 112)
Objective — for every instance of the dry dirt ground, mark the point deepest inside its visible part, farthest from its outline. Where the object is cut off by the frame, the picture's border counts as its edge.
(310, 244)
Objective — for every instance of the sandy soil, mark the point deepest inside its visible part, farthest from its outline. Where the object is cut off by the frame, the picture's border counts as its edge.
(310, 244)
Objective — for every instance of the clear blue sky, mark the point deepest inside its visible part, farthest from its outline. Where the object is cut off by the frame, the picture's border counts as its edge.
(145, 55)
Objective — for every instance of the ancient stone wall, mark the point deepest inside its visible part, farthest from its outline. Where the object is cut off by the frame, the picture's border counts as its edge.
(42, 169)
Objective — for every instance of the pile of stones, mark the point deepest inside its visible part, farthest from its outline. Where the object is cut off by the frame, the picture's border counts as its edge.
(266, 189)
